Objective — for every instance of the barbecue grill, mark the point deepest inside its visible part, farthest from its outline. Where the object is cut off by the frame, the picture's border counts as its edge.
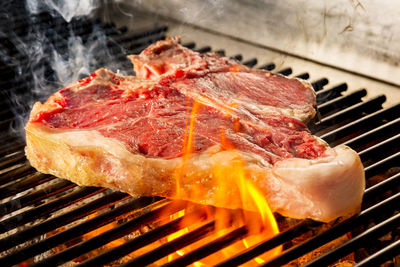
(50, 221)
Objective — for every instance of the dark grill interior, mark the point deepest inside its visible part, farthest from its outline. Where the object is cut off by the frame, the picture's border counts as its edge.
(41, 212)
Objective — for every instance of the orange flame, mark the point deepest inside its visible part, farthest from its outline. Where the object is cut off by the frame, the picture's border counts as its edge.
(265, 226)
(177, 234)
(187, 147)
(229, 176)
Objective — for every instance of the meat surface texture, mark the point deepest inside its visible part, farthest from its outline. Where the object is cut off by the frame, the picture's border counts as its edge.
(225, 82)
(166, 131)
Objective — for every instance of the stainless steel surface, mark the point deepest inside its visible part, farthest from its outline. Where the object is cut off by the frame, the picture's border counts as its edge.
(358, 36)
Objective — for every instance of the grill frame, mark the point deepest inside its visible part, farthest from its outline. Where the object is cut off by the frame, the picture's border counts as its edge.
(22, 177)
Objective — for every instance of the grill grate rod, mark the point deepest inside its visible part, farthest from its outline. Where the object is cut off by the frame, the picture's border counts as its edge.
(12, 159)
(382, 165)
(341, 102)
(58, 39)
(386, 184)
(335, 232)
(298, 229)
(16, 172)
(35, 196)
(353, 112)
(384, 254)
(132, 245)
(10, 144)
(390, 113)
(60, 220)
(45, 209)
(203, 49)
(14, 188)
(115, 233)
(250, 253)
(172, 246)
(115, 47)
(375, 134)
(210, 248)
(250, 63)
(76, 231)
(380, 148)
(354, 243)
(138, 242)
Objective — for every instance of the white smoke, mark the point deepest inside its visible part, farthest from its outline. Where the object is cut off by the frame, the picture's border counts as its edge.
(67, 9)
(51, 56)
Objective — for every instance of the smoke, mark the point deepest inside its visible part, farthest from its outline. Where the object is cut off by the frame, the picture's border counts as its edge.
(67, 9)
(51, 44)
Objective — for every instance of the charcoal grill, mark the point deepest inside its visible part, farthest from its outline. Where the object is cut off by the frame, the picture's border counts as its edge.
(43, 218)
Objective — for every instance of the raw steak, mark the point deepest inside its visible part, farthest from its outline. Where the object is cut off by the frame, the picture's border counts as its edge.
(131, 134)
(222, 81)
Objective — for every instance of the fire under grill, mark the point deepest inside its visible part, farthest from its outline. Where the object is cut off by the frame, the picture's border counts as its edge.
(50, 221)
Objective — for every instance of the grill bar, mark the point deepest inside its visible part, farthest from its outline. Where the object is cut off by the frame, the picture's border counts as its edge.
(382, 165)
(281, 238)
(61, 220)
(369, 120)
(374, 135)
(76, 231)
(112, 234)
(17, 172)
(335, 232)
(383, 186)
(210, 248)
(35, 196)
(189, 45)
(144, 239)
(353, 112)
(45, 209)
(384, 254)
(140, 241)
(26, 183)
(341, 102)
(12, 159)
(381, 148)
(366, 237)
(172, 246)
(204, 49)
(11, 146)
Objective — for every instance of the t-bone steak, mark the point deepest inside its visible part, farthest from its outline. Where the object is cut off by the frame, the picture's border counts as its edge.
(131, 134)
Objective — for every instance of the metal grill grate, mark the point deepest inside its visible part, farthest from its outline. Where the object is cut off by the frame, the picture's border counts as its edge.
(41, 213)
